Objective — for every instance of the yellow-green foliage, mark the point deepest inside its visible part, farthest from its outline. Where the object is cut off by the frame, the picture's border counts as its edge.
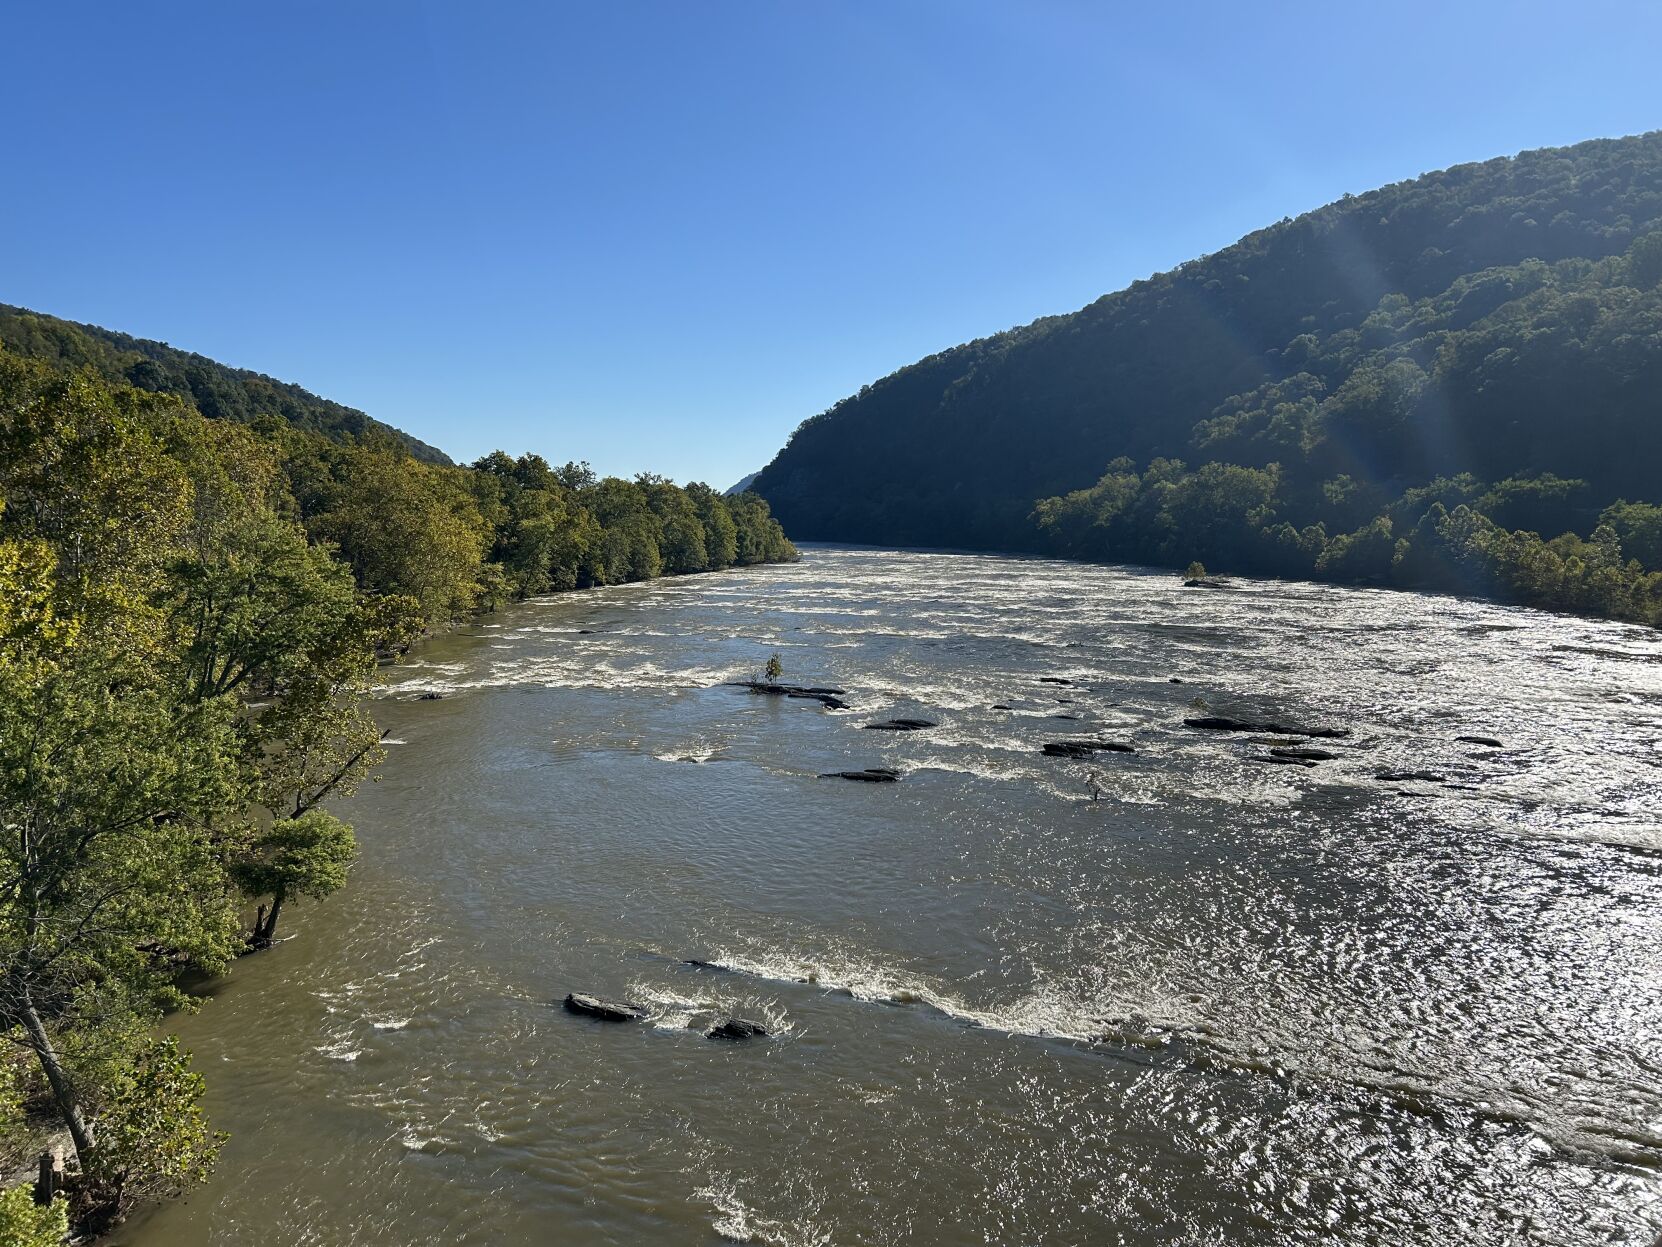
(23, 1223)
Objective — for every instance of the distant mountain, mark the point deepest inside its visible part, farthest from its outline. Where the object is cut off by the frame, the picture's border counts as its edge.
(1500, 320)
(743, 485)
(216, 390)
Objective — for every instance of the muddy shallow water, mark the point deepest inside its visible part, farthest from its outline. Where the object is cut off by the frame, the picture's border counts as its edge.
(1174, 996)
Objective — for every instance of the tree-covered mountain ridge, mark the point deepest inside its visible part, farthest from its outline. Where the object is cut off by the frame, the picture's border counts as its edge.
(1486, 337)
(217, 390)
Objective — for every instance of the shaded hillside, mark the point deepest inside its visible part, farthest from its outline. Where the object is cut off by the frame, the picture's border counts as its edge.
(216, 390)
(1485, 319)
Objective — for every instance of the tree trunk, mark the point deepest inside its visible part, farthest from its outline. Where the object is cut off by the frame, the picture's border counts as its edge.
(58, 1078)
(269, 931)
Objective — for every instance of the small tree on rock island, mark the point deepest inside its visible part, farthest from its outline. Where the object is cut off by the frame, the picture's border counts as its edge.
(308, 855)
(774, 669)
(1195, 571)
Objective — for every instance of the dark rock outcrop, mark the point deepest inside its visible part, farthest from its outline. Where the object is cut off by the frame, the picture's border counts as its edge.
(1054, 679)
(1424, 777)
(1303, 753)
(604, 1010)
(1002, 706)
(830, 698)
(1084, 748)
(871, 775)
(714, 966)
(1480, 740)
(1279, 760)
(737, 1029)
(431, 697)
(1207, 582)
(1222, 723)
(902, 725)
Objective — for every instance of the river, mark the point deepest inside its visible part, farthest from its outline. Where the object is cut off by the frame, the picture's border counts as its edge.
(1167, 997)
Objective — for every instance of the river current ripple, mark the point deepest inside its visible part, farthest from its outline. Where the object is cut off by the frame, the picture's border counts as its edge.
(1174, 996)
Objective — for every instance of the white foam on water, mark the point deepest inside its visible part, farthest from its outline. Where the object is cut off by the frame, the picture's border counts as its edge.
(340, 1050)
(669, 1009)
(1167, 1021)
(737, 1222)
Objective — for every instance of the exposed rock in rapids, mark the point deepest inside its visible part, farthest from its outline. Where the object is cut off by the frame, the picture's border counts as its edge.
(1174, 680)
(738, 1029)
(1084, 748)
(1279, 759)
(830, 698)
(1002, 706)
(871, 775)
(1207, 582)
(431, 697)
(604, 1010)
(901, 725)
(1424, 777)
(717, 967)
(1053, 679)
(1480, 740)
(1222, 723)
(1303, 753)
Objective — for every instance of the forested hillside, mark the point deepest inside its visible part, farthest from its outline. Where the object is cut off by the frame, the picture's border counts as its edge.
(217, 391)
(1487, 337)
(190, 611)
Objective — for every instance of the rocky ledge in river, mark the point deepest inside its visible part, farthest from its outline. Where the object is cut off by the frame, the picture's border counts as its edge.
(830, 698)
(1222, 723)
(871, 775)
(1490, 741)
(604, 1010)
(1275, 759)
(1303, 753)
(1084, 748)
(737, 1029)
(1208, 582)
(1424, 777)
(902, 725)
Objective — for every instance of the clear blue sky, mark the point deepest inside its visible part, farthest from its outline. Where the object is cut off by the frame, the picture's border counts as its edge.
(658, 236)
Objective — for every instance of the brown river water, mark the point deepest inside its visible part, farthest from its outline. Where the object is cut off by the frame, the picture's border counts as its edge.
(1219, 1002)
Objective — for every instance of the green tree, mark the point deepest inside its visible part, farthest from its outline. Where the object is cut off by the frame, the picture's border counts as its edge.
(304, 856)
(23, 1223)
(116, 803)
(154, 1139)
(407, 528)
